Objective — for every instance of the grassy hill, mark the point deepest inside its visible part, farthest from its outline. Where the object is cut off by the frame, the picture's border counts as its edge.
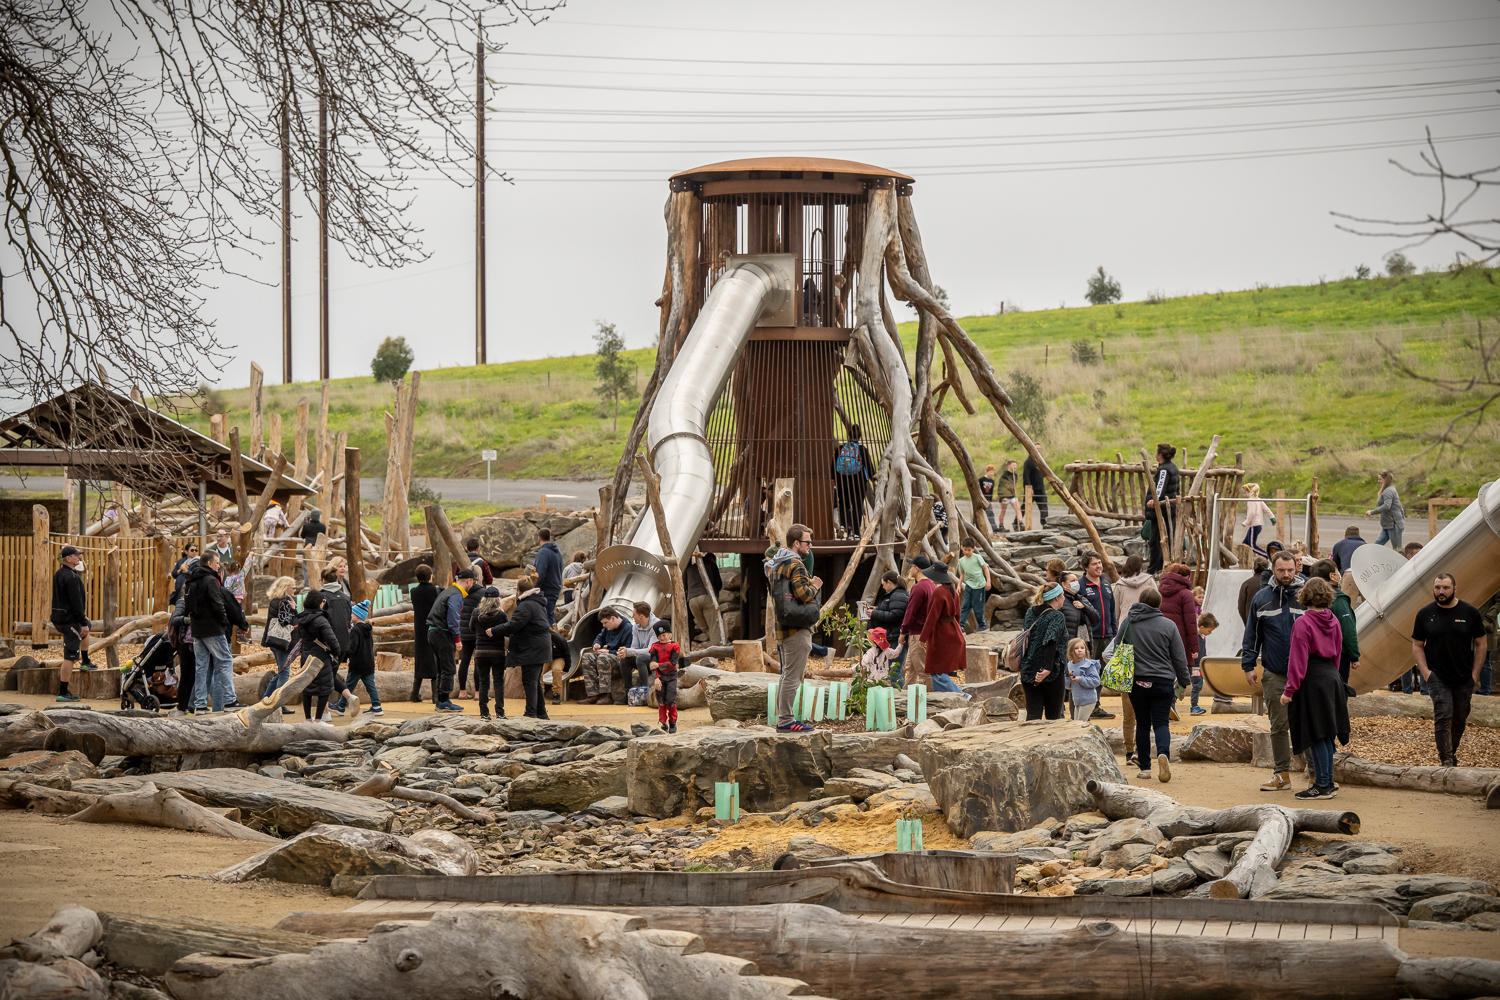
(1295, 378)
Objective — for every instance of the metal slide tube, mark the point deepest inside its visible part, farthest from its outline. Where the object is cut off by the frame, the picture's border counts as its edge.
(675, 434)
(1469, 548)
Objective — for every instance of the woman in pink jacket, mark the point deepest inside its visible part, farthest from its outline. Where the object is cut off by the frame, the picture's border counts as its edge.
(1256, 513)
(1315, 693)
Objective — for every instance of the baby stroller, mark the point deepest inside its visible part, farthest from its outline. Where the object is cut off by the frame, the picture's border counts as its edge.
(148, 679)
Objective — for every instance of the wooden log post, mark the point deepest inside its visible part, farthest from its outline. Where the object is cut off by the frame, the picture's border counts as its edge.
(439, 530)
(338, 442)
(717, 634)
(401, 520)
(237, 470)
(111, 602)
(273, 433)
(217, 424)
(257, 436)
(1281, 516)
(41, 576)
(122, 508)
(352, 526)
(161, 589)
(682, 626)
(1312, 520)
(602, 541)
(1030, 503)
(299, 457)
(395, 434)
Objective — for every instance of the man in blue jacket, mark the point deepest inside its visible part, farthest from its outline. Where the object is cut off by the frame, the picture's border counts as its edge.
(600, 663)
(549, 567)
(443, 633)
(1268, 636)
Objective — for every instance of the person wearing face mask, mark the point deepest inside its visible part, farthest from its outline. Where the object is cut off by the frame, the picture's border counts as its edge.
(1082, 617)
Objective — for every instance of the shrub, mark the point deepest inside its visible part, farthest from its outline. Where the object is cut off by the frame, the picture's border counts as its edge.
(1362, 271)
(1084, 352)
(1397, 266)
(1102, 289)
(420, 492)
(211, 401)
(392, 360)
(1028, 402)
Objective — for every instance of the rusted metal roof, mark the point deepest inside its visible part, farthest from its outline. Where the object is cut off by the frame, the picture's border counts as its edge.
(808, 166)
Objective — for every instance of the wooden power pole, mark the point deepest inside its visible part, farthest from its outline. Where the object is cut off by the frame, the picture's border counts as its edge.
(322, 234)
(286, 241)
(479, 310)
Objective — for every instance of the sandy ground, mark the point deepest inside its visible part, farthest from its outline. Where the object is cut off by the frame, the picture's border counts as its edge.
(129, 869)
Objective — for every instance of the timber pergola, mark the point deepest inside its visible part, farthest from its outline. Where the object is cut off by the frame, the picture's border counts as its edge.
(99, 435)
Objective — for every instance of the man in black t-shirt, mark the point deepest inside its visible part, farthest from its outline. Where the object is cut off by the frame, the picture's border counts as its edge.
(1448, 641)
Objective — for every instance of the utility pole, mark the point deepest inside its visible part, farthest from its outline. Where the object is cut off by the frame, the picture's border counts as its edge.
(479, 310)
(286, 239)
(322, 233)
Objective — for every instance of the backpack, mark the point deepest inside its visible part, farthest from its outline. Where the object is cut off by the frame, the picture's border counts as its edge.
(789, 613)
(849, 462)
(477, 561)
(1015, 653)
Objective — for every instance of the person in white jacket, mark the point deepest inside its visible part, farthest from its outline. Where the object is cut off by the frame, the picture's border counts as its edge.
(1256, 514)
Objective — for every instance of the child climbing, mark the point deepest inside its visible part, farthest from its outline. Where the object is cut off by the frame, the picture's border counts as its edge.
(665, 655)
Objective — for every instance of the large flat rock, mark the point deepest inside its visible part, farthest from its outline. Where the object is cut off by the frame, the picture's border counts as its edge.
(290, 807)
(1397, 893)
(871, 751)
(570, 787)
(1225, 742)
(668, 774)
(1011, 776)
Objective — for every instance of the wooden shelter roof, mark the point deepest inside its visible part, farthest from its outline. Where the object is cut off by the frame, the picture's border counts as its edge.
(101, 435)
(805, 165)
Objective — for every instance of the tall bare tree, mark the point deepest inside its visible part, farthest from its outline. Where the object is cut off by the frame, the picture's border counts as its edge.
(133, 136)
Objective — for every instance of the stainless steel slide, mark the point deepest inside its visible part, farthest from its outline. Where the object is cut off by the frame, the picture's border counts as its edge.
(1468, 547)
(754, 287)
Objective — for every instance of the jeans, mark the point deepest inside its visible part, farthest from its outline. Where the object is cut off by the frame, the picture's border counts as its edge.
(1450, 715)
(1392, 535)
(1197, 687)
(368, 680)
(792, 651)
(1322, 761)
(1412, 681)
(1271, 686)
(973, 601)
(1485, 674)
(945, 682)
(215, 670)
(1152, 705)
(816, 650)
(283, 669)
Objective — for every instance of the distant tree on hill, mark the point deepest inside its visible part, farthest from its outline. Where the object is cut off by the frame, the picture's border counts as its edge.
(1102, 289)
(392, 360)
(616, 375)
(1028, 403)
(1362, 271)
(1397, 266)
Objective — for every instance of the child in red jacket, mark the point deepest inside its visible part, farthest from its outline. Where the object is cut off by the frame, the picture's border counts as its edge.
(665, 655)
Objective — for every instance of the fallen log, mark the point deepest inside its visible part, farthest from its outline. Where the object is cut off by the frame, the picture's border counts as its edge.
(555, 953)
(18, 793)
(246, 730)
(1480, 781)
(71, 933)
(166, 807)
(382, 784)
(1274, 825)
(152, 944)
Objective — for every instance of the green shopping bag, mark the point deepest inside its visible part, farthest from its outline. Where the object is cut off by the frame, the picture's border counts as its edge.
(1119, 672)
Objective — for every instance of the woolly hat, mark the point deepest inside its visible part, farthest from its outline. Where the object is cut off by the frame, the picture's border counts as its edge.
(361, 610)
(661, 626)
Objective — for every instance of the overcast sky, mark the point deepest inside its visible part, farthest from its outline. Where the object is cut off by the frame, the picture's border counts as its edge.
(1185, 147)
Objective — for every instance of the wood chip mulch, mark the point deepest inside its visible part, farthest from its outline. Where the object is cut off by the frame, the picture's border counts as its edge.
(1410, 742)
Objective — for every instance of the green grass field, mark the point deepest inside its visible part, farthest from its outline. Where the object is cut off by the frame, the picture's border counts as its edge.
(1295, 378)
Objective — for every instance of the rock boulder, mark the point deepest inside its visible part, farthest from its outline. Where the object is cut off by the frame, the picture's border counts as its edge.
(316, 855)
(1013, 775)
(572, 786)
(666, 775)
(1397, 893)
(1224, 742)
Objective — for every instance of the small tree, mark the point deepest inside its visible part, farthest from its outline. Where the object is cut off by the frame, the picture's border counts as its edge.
(616, 375)
(939, 293)
(1397, 266)
(392, 360)
(1362, 271)
(1102, 289)
(1084, 352)
(1028, 403)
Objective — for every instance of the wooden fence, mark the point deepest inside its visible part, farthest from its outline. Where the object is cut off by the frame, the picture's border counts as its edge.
(138, 575)
(1118, 490)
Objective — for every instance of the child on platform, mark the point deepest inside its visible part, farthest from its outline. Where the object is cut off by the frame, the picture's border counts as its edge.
(881, 662)
(1083, 680)
(665, 655)
(1206, 625)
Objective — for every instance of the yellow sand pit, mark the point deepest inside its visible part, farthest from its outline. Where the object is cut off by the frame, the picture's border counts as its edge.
(852, 831)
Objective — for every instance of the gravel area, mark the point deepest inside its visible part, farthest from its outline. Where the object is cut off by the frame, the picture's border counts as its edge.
(1409, 742)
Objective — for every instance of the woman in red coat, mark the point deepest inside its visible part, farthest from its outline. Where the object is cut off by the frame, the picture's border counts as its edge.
(941, 633)
(1179, 606)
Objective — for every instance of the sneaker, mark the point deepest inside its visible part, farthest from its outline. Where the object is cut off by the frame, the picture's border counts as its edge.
(1100, 713)
(448, 706)
(234, 706)
(1143, 774)
(70, 696)
(287, 711)
(1131, 758)
(1280, 781)
(326, 719)
(484, 716)
(1172, 714)
(795, 727)
(1317, 792)
(377, 710)
(1163, 768)
(86, 665)
(1195, 710)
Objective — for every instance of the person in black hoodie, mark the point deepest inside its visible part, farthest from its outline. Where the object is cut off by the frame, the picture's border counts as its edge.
(316, 635)
(213, 613)
(423, 596)
(467, 639)
(362, 657)
(489, 652)
(1031, 475)
(70, 616)
(530, 646)
(1164, 489)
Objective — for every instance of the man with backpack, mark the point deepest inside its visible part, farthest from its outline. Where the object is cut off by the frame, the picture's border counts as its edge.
(482, 572)
(852, 471)
(795, 599)
(213, 615)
